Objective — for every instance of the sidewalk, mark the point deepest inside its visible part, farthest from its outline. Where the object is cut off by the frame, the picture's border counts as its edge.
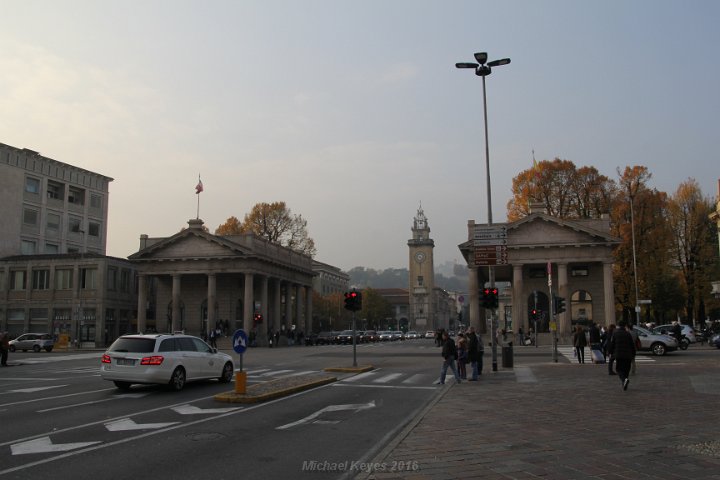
(564, 420)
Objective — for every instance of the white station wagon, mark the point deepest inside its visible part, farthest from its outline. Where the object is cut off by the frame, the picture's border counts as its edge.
(163, 359)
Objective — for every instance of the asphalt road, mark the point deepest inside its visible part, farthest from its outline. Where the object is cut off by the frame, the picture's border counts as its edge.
(60, 420)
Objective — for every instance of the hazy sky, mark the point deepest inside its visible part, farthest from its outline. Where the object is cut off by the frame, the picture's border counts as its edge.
(353, 112)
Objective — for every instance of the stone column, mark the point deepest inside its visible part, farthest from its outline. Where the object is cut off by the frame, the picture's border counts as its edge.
(564, 326)
(276, 311)
(609, 295)
(211, 295)
(175, 303)
(248, 304)
(262, 340)
(308, 311)
(474, 305)
(298, 308)
(519, 305)
(288, 307)
(142, 304)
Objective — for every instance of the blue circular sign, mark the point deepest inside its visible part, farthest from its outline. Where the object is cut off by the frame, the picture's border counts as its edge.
(240, 341)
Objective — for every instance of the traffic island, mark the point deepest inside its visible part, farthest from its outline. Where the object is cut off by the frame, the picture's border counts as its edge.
(358, 369)
(281, 387)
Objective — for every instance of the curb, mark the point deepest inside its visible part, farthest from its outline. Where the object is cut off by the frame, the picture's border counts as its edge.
(273, 389)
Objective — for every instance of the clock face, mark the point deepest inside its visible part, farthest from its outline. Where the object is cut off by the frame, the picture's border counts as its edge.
(420, 257)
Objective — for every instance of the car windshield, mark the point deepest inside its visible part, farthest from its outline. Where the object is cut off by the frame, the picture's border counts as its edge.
(346, 332)
(135, 345)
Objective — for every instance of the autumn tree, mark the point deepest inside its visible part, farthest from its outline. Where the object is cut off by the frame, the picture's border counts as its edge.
(564, 191)
(275, 223)
(375, 308)
(692, 251)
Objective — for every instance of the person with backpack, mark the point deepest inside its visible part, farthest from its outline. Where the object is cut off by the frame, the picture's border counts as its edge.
(449, 354)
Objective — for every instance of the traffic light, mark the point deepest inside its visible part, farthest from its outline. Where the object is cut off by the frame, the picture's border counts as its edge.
(558, 304)
(490, 298)
(533, 314)
(258, 318)
(353, 300)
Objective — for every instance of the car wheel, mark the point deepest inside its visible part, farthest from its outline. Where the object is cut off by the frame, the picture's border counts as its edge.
(658, 349)
(48, 349)
(227, 373)
(684, 343)
(122, 385)
(177, 380)
(36, 348)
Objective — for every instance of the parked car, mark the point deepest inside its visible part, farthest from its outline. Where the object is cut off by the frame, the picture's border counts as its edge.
(398, 335)
(429, 334)
(370, 336)
(412, 335)
(688, 332)
(311, 339)
(346, 337)
(163, 359)
(714, 341)
(325, 338)
(386, 336)
(656, 343)
(32, 341)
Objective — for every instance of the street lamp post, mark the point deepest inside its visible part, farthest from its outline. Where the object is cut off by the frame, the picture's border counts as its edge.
(637, 291)
(483, 68)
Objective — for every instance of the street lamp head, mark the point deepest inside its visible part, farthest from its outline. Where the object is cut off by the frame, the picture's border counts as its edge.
(481, 57)
(483, 71)
(497, 63)
(466, 65)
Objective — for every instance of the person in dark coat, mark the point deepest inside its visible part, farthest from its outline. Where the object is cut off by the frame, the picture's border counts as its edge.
(622, 347)
(4, 347)
(606, 349)
(449, 354)
(473, 354)
(594, 334)
(579, 342)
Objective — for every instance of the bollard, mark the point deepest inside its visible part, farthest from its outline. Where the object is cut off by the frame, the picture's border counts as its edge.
(240, 382)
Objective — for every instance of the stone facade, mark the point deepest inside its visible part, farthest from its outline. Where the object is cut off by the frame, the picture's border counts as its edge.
(580, 256)
(194, 281)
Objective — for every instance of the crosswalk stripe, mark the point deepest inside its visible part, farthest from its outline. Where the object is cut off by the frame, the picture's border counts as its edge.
(388, 378)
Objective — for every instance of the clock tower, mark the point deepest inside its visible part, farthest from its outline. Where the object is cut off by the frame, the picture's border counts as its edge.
(421, 275)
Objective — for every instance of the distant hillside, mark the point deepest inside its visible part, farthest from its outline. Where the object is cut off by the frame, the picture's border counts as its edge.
(398, 278)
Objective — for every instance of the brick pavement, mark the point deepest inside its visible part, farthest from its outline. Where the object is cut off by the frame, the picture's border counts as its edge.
(567, 421)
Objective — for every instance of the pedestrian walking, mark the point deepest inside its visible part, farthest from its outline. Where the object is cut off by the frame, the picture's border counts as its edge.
(4, 348)
(521, 336)
(449, 354)
(462, 356)
(594, 337)
(609, 357)
(622, 347)
(579, 342)
(636, 341)
(473, 353)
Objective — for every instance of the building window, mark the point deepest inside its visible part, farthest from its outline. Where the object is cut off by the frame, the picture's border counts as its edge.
(51, 249)
(30, 216)
(112, 279)
(17, 280)
(32, 185)
(55, 190)
(76, 196)
(579, 272)
(95, 201)
(40, 279)
(420, 280)
(63, 279)
(124, 280)
(28, 247)
(93, 229)
(88, 278)
(74, 224)
(53, 221)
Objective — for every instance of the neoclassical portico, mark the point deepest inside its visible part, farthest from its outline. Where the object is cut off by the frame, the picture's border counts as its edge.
(194, 280)
(580, 258)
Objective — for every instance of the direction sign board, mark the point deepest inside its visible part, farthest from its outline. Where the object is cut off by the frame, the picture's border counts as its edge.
(490, 235)
(491, 255)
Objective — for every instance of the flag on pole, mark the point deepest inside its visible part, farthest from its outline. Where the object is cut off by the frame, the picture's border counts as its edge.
(549, 272)
(199, 186)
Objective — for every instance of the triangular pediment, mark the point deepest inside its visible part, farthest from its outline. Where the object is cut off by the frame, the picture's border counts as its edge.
(191, 244)
(541, 229)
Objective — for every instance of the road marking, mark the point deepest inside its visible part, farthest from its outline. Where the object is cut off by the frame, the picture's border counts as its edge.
(524, 375)
(357, 407)
(365, 385)
(274, 373)
(55, 397)
(359, 376)
(388, 378)
(129, 424)
(35, 389)
(44, 445)
(193, 410)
